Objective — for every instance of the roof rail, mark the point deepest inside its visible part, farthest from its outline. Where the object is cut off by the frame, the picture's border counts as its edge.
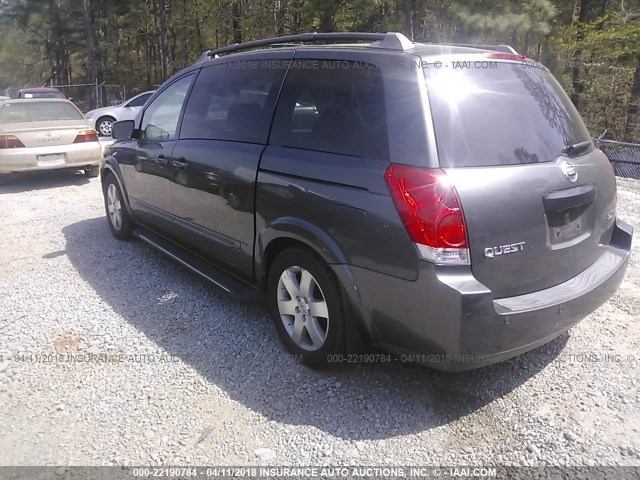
(497, 48)
(383, 40)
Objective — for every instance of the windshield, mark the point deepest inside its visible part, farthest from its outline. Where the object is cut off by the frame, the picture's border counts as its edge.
(506, 114)
(38, 111)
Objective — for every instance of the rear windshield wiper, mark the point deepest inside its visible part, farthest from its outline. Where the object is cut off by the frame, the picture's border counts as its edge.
(576, 148)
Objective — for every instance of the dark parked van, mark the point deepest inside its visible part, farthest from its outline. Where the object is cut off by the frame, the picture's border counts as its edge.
(442, 202)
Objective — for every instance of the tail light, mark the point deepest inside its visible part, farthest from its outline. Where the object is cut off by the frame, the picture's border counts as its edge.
(507, 56)
(10, 141)
(430, 210)
(86, 136)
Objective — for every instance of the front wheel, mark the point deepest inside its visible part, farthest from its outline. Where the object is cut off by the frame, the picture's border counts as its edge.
(104, 126)
(120, 222)
(306, 307)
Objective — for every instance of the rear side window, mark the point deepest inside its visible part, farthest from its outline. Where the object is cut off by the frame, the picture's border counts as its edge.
(38, 112)
(332, 106)
(140, 101)
(234, 101)
(507, 114)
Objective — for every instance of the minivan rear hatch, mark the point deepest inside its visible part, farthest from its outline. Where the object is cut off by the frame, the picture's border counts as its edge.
(538, 198)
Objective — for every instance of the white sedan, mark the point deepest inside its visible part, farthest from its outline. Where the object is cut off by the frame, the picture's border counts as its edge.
(102, 118)
(46, 134)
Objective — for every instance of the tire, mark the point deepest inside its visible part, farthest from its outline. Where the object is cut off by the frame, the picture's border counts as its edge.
(92, 172)
(313, 339)
(118, 218)
(104, 126)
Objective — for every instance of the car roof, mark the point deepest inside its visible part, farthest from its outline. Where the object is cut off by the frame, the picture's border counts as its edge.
(38, 100)
(39, 89)
(141, 93)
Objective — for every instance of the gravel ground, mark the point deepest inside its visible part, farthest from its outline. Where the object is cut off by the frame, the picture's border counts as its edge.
(203, 380)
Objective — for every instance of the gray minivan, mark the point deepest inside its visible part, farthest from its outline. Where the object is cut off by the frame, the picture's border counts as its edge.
(442, 202)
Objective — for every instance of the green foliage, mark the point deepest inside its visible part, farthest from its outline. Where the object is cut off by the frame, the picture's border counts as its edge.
(596, 60)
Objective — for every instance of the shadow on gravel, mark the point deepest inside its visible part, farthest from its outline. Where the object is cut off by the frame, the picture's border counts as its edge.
(235, 347)
(26, 182)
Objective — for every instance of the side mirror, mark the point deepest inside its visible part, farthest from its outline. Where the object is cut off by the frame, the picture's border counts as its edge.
(122, 129)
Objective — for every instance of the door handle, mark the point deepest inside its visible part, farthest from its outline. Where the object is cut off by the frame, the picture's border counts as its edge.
(179, 163)
(161, 159)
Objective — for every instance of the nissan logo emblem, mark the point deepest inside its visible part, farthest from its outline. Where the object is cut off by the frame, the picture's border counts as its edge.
(570, 171)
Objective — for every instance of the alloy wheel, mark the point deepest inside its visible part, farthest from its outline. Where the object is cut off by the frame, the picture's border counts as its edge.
(105, 128)
(303, 308)
(114, 206)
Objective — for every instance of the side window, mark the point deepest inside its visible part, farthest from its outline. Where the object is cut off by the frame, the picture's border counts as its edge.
(140, 101)
(160, 120)
(234, 101)
(333, 106)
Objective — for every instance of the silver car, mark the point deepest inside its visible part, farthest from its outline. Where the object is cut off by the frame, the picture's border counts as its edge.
(46, 134)
(102, 118)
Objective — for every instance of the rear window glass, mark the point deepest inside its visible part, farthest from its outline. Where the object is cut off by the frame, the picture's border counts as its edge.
(41, 95)
(18, 112)
(507, 114)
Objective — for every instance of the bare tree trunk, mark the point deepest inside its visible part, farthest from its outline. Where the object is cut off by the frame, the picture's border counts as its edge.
(632, 123)
(525, 48)
(296, 18)
(326, 13)
(185, 34)
(514, 31)
(164, 49)
(201, 46)
(408, 13)
(281, 15)
(60, 68)
(148, 56)
(88, 39)
(236, 21)
(577, 56)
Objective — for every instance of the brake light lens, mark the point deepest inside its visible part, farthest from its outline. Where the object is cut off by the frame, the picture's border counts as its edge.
(86, 136)
(430, 210)
(10, 141)
(506, 56)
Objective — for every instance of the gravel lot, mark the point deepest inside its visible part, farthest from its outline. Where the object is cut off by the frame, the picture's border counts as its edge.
(204, 380)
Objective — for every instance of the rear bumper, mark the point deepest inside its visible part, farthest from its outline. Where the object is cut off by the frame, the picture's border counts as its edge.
(449, 320)
(78, 155)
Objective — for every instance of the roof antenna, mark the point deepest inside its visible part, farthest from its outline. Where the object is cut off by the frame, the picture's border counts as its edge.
(394, 41)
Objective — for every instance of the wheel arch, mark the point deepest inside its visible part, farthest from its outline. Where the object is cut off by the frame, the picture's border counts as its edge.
(290, 232)
(111, 167)
(108, 115)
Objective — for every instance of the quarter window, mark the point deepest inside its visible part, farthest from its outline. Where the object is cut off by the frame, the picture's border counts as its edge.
(333, 106)
(160, 121)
